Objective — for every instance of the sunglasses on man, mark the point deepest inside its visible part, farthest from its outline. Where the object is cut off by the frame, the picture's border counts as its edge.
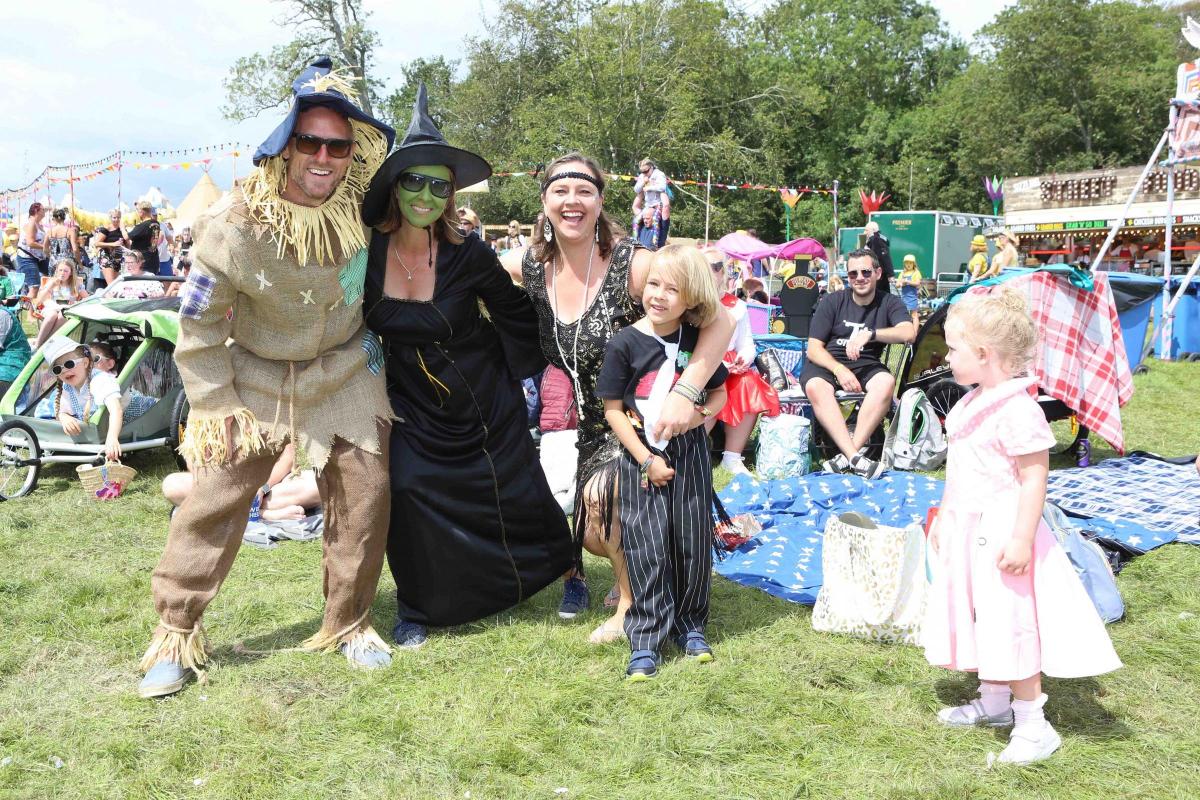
(414, 182)
(855, 274)
(310, 145)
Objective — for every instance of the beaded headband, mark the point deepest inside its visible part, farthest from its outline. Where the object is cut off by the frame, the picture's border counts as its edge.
(583, 176)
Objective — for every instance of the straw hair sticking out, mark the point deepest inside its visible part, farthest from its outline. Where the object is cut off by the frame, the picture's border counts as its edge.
(331, 232)
(688, 269)
(998, 320)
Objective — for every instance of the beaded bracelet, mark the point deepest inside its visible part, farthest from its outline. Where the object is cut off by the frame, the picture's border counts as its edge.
(644, 470)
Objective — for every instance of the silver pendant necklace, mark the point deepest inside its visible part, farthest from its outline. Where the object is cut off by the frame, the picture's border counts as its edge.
(400, 261)
(573, 369)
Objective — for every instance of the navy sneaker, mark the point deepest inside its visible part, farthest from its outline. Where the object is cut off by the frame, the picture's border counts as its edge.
(575, 598)
(643, 665)
(409, 634)
(695, 646)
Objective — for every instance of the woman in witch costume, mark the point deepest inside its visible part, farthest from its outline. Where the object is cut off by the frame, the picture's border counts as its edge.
(475, 529)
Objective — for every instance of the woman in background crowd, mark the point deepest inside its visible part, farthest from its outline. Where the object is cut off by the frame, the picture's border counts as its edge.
(31, 248)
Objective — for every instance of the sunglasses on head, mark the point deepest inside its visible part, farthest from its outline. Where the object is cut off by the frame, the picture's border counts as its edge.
(855, 274)
(70, 363)
(415, 182)
(310, 145)
(717, 266)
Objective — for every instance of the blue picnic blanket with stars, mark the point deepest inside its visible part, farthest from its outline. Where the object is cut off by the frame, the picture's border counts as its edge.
(785, 559)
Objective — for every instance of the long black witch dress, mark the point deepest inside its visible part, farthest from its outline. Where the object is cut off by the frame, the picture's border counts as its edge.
(475, 528)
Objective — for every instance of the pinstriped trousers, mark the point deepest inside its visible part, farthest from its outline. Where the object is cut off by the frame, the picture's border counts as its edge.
(666, 533)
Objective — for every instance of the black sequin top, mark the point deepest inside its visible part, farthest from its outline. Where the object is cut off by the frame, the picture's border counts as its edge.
(609, 311)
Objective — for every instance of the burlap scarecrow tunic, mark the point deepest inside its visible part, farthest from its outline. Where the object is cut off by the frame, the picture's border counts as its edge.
(278, 345)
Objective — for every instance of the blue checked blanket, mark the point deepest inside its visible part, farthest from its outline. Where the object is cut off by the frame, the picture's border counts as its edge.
(1161, 498)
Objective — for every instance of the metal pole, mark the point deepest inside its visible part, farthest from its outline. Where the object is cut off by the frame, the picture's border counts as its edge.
(1112, 233)
(707, 206)
(910, 181)
(833, 266)
(1165, 323)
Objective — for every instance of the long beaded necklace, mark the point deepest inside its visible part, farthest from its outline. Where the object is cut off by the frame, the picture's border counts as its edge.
(573, 369)
(396, 251)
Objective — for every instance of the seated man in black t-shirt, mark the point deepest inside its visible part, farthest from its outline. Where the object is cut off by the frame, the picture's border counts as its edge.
(845, 343)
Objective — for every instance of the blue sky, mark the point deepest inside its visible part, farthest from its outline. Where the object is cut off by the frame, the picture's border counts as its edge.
(105, 77)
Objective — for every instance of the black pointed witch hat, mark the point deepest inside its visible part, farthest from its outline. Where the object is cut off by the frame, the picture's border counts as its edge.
(423, 144)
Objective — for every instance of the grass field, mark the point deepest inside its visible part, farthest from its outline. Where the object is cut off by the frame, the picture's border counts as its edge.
(520, 706)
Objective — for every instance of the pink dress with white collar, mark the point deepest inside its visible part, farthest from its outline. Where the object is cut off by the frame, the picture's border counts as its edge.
(978, 618)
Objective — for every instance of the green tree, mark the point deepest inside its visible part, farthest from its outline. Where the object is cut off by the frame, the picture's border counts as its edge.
(1058, 85)
(338, 28)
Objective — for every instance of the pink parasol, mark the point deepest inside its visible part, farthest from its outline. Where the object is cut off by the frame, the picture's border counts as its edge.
(803, 246)
(744, 247)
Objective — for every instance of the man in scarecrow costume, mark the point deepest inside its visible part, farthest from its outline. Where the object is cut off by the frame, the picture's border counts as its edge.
(272, 349)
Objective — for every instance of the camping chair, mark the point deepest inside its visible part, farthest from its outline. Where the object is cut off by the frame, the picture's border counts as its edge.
(894, 357)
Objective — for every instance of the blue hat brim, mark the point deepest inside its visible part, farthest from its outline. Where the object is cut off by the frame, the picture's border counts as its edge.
(275, 144)
(468, 169)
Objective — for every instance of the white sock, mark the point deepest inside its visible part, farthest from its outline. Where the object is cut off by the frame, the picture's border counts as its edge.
(1028, 713)
(730, 457)
(994, 697)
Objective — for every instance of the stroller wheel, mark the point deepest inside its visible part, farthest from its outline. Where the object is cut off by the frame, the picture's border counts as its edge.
(943, 394)
(20, 459)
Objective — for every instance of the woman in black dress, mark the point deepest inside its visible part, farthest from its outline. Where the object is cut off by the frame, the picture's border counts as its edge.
(475, 528)
(586, 279)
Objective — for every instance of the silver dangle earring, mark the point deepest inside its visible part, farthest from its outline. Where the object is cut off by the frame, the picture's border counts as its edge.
(597, 238)
(548, 231)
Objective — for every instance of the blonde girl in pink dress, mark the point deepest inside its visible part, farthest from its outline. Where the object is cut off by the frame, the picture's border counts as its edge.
(1005, 602)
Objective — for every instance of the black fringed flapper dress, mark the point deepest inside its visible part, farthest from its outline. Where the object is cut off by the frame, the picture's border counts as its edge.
(475, 528)
(612, 309)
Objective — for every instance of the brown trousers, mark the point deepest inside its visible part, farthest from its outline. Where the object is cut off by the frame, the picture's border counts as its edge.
(206, 533)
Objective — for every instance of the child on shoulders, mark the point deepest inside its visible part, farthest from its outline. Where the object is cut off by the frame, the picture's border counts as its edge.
(1005, 602)
(664, 488)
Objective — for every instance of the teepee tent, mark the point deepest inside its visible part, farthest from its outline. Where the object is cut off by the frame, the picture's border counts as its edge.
(202, 195)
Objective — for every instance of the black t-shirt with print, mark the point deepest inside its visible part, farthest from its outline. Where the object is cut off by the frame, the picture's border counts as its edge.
(632, 361)
(141, 238)
(838, 316)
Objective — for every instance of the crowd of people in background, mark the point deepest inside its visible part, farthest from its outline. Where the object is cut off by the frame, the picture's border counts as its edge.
(96, 259)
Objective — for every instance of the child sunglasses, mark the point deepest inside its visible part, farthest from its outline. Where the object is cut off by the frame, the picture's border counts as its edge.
(70, 363)
(310, 145)
(414, 182)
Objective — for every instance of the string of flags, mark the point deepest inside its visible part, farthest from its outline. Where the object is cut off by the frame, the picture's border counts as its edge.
(114, 162)
(727, 184)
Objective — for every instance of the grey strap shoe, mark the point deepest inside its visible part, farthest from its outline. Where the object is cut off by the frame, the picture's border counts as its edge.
(972, 713)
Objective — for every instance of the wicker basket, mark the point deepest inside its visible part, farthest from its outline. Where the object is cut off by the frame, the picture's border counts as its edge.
(114, 472)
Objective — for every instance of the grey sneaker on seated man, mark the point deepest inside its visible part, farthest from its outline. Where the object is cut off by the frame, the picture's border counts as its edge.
(846, 338)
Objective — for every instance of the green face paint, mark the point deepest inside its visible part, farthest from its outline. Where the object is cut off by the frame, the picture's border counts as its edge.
(421, 209)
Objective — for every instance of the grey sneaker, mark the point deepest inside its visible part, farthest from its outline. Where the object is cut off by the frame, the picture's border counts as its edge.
(972, 713)
(865, 467)
(836, 465)
(164, 678)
